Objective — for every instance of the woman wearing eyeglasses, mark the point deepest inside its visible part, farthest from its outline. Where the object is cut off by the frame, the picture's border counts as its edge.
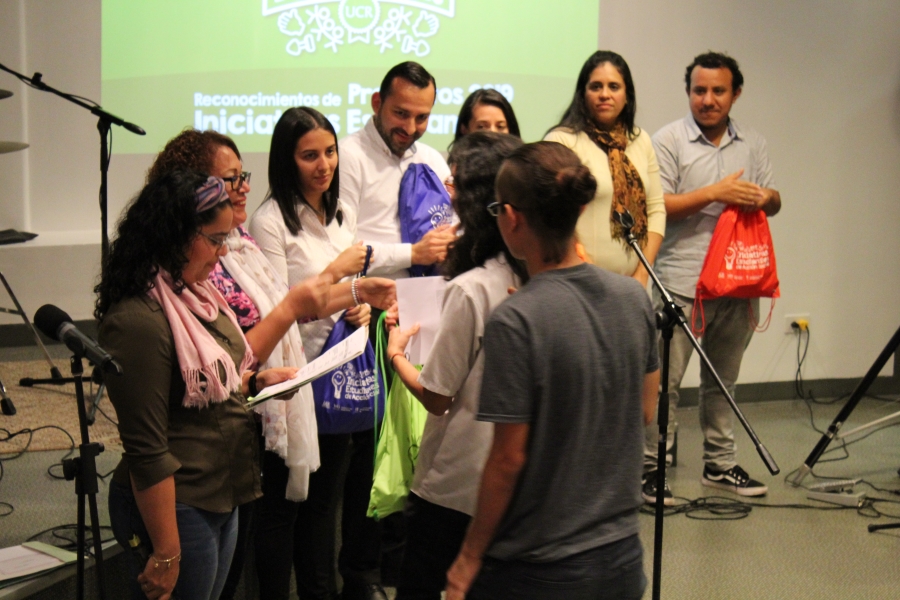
(268, 313)
(455, 445)
(190, 451)
(599, 127)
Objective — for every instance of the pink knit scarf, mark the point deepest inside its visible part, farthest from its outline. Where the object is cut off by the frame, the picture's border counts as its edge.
(202, 361)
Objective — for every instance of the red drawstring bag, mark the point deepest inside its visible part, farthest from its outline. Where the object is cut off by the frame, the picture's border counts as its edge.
(740, 263)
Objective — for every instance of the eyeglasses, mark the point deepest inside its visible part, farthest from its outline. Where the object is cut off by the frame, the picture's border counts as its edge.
(494, 208)
(219, 243)
(237, 181)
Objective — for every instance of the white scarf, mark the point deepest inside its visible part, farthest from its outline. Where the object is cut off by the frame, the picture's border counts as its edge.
(289, 426)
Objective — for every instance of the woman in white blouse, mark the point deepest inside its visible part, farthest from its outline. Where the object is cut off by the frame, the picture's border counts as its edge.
(301, 229)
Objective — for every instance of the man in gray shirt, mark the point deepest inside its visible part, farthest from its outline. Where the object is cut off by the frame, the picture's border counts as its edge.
(707, 161)
(570, 380)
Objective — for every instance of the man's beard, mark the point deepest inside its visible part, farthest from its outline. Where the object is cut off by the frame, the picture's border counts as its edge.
(386, 136)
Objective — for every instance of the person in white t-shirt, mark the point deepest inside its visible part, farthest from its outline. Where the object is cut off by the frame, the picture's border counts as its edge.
(454, 445)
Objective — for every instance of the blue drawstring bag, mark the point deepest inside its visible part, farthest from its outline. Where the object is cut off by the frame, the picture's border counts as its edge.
(424, 205)
(346, 397)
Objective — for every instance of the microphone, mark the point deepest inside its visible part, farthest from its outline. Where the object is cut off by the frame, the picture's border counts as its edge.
(56, 324)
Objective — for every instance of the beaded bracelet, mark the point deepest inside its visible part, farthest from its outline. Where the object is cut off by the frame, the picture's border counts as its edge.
(354, 291)
(165, 561)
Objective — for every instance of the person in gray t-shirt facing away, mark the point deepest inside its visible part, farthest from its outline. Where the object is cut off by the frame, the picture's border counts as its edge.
(570, 380)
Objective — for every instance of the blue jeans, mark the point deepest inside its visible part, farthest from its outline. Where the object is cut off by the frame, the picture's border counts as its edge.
(207, 544)
(613, 571)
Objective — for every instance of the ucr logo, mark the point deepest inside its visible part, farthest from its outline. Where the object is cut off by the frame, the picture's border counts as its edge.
(359, 17)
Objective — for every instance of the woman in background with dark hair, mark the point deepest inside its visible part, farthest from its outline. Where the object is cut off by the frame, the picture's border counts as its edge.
(190, 451)
(300, 228)
(486, 110)
(599, 127)
(454, 446)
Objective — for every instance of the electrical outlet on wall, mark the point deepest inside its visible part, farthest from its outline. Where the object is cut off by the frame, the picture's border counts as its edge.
(799, 318)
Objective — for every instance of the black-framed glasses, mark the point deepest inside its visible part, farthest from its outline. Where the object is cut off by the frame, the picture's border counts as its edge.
(494, 208)
(237, 181)
(217, 242)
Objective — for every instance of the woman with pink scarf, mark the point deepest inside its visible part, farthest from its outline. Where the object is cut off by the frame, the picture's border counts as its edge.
(190, 455)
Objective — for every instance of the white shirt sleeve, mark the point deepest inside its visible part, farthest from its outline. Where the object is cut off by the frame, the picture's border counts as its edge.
(269, 233)
(456, 344)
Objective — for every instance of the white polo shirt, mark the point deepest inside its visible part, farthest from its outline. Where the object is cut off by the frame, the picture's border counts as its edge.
(370, 184)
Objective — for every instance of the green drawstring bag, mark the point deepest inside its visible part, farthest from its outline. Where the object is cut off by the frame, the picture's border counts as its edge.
(397, 447)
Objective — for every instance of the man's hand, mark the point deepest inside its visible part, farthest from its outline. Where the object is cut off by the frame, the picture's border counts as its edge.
(359, 316)
(377, 291)
(158, 581)
(733, 190)
(432, 248)
(462, 573)
(309, 297)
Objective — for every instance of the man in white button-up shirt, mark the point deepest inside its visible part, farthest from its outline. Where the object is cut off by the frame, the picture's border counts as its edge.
(373, 161)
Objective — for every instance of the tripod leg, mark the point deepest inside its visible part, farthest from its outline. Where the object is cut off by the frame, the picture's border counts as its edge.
(98, 397)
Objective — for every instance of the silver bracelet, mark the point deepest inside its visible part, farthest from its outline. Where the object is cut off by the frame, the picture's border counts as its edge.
(355, 292)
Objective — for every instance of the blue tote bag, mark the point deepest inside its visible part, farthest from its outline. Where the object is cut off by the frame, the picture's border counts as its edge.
(346, 397)
(424, 205)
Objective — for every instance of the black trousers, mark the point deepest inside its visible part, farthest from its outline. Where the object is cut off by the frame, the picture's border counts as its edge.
(302, 535)
(434, 535)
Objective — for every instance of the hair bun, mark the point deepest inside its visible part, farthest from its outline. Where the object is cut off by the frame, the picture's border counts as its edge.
(577, 183)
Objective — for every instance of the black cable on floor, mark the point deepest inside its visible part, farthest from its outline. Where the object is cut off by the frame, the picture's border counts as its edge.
(7, 435)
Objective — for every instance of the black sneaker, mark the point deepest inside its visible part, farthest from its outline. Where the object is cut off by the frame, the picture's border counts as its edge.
(733, 480)
(648, 490)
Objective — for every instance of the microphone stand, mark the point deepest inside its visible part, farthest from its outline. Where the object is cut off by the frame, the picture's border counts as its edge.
(666, 320)
(104, 123)
(83, 470)
(103, 126)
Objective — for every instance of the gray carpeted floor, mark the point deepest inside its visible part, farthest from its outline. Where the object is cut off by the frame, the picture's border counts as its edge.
(773, 552)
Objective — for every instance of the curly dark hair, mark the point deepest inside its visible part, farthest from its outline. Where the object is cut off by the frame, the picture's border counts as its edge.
(191, 149)
(578, 116)
(153, 233)
(477, 158)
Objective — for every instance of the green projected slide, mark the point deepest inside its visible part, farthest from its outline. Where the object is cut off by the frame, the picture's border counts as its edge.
(236, 65)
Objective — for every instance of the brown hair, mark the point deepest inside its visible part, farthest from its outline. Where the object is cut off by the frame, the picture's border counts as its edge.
(191, 149)
(548, 183)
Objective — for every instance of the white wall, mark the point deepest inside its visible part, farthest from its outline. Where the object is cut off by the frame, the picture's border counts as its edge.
(822, 85)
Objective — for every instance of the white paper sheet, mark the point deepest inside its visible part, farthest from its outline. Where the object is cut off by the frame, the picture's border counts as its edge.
(343, 352)
(420, 300)
(32, 557)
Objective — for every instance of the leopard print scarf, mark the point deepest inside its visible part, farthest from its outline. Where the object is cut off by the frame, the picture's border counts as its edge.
(628, 189)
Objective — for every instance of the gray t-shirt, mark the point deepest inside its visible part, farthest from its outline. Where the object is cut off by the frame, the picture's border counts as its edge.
(568, 354)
